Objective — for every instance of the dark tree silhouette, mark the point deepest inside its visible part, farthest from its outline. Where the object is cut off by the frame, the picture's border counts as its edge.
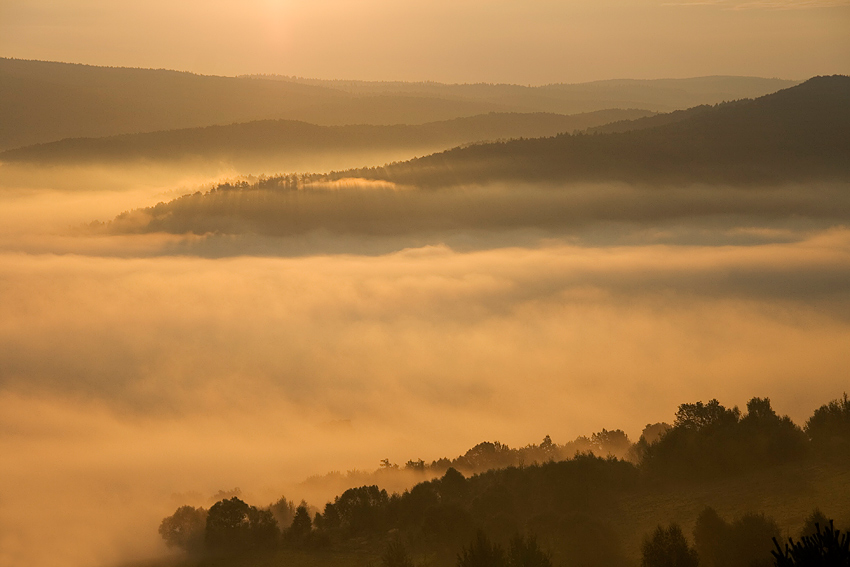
(813, 520)
(283, 511)
(185, 528)
(746, 542)
(712, 440)
(357, 510)
(396, 555)
(482, 553)
(234, 526)
(301, 526)
(828, 547)
(667, 547)
(829, 427)
(711, 535)
(525, 552)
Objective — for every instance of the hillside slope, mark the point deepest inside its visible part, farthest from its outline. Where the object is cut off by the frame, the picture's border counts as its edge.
(47, 101)
(270, 137)
(660, 95)
(795, 134)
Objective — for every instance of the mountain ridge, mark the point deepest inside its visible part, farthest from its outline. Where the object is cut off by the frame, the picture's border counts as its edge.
(797, 133)
(268, 137)
(47, 101)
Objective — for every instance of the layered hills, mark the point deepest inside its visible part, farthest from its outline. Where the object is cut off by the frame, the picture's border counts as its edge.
(795, 134)
(265, 138)
(795, 142)
(659, 95)
(48, 101)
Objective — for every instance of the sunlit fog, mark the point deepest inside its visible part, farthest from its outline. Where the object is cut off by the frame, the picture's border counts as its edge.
(411, 284)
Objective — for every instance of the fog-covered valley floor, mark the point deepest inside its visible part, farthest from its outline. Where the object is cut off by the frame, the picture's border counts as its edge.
(144, 367)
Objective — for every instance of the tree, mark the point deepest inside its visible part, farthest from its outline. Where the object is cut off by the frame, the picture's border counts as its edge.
(482, 553)
(185, 528)
(815, 519)
(667, 547)
(234, 526)
(614, 442)
(228, 525)
(525, 552)
(357, 510)
(301, 526)
(283, 511)
(417, 466)
(711, 534)
(828, 547)
(453, 485)
(396, 555)
(829, 427)
(699, 416)
(746, 542)
(750, 540)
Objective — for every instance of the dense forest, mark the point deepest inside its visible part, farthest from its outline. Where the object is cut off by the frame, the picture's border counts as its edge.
(539, 506)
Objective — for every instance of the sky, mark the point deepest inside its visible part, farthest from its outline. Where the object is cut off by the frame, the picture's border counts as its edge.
(540, 42)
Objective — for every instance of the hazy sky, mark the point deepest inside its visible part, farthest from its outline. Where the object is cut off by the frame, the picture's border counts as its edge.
(535, 42)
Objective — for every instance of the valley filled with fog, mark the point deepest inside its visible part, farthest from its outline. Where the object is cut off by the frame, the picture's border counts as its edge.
(177, 327)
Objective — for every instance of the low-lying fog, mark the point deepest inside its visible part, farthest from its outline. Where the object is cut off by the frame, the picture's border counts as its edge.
(139, 371)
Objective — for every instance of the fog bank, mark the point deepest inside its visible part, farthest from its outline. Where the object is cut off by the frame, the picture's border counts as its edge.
(127, 380)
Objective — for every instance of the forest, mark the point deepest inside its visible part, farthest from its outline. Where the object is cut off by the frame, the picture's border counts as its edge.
(581, 503)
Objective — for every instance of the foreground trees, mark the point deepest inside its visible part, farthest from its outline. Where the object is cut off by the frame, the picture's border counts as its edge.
(667, 547)
(185, 529)
(827, 547)
(523, 552)
(573, 507)
(235, 527)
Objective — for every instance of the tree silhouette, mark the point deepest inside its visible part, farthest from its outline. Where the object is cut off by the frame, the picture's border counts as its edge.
(301, 525)
(234, 526)
(525, 552)
(396, 555)
(826, 548)
(667, 547)
(185, 528)
(829, 427)
(482, 553)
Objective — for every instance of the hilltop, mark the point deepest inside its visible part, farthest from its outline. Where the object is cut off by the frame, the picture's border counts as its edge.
(44, 101)
(795, 134)
(266, 138)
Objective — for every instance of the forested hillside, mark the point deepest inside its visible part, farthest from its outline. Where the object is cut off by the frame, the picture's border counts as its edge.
(733, 479)
(796, 134)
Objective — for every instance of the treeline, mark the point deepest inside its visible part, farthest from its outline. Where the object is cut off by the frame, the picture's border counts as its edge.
(299, 204)
(576, 510)
(495, 455)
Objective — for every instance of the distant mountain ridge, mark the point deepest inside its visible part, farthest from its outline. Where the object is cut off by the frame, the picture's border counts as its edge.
(659, 95)
(48, 101)
(270, 137)
(798, 133)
